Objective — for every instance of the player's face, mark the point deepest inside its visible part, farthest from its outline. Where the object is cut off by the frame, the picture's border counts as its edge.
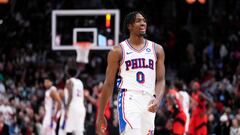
(139, 25)
(47, 83)
(193, 87)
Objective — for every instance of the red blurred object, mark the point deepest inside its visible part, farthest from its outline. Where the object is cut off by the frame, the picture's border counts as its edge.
(202, 1)
(197, 85)
(190, 1)
(4, 1)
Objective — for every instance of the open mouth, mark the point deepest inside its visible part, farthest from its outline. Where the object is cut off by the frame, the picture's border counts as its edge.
(143, 30)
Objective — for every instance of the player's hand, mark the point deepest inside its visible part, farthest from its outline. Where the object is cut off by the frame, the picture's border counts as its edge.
(86, 93)
(101, 125)
(66, 114)
(153, 105)
(115, 123)
(55, 118)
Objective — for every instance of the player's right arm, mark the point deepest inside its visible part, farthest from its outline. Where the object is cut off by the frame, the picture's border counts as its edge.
(90, 98)
(69, 87)
(61, 94)
(114, 58)
(55, 96)
(172, 103)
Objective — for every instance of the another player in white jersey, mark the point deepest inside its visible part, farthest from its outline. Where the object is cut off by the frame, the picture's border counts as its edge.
(61, 128)
(140, 63)
(52, 104)
(75, 110)
(185, 100)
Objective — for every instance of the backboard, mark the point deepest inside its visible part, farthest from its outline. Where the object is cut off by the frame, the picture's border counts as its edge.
(72, 26)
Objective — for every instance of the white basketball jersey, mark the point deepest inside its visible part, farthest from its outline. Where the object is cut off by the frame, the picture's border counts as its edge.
(186, 104)
(77, 94)
(48, 123)
(138, 67)
(49, 102)
(186, 101)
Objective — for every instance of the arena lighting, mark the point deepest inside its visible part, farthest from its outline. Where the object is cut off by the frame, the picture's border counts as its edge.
(4, 1)
(108, 20)
(202, 1)
(190, 1)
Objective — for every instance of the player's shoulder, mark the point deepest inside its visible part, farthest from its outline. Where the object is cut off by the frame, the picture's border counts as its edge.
(53, 88)
(73, 80)
(156, 45)
(116, 48)
(116, 52)
(158, 48)
(183, 93)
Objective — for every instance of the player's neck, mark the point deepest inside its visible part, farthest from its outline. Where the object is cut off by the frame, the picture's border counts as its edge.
(48, 87)
(136, 40)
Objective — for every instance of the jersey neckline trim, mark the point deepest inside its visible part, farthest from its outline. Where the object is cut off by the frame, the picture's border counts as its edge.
(136, 50)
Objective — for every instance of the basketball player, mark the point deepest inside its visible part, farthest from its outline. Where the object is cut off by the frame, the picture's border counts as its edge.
(174, 105)
(74, 109)
(62, 122)
(52, 103)
(140, 63)
(185, 100)
(199, 117)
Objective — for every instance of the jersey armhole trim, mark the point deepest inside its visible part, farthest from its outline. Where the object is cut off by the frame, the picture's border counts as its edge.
(154, 51)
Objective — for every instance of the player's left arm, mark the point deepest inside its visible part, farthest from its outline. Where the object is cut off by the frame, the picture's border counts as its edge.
(160, 79)
(172, 103)
(55, 96)
(61, 94)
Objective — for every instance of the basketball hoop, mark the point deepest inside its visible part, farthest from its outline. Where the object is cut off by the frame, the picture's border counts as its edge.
(82, 49)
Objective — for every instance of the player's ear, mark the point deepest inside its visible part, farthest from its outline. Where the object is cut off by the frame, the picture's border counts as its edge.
(129, 26)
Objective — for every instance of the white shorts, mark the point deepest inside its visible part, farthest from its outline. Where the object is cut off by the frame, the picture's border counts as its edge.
(134, 118)
(62, 122)
(49, 126)
(187, 122)
(75, 120)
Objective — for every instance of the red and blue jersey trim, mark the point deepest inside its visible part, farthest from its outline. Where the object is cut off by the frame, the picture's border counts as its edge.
(154, 51)
(135, 50)
(122, 118)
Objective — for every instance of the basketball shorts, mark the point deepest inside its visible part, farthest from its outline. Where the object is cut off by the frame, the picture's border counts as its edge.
(75, 120)
(48, 127)
(198, 125)
(134, 118)
(178, 127)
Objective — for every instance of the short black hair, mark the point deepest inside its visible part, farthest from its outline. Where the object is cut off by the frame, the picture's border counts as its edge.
(129, 19)
(72, 72)
(179, 84)
(51, 77)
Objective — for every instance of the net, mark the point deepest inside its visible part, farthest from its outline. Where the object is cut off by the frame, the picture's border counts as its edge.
(82, 49)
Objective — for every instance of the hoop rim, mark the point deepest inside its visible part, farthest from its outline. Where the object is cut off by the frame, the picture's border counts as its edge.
(82, 49)
(82, 45)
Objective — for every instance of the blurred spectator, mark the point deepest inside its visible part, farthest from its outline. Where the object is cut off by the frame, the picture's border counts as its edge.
(223, 128)
(212, 124)
(94, 100)
(207, 51)
(2, 86)
(4, 128)
(234, 129)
